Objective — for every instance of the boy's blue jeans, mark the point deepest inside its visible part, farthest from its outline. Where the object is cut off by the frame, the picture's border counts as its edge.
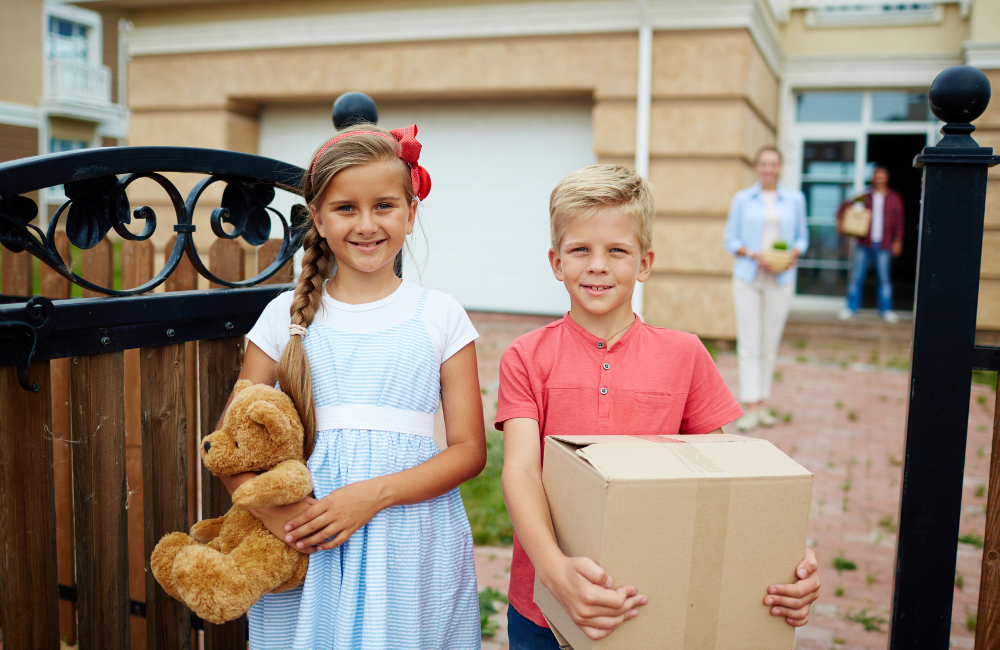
(523, 634)
(883, 260)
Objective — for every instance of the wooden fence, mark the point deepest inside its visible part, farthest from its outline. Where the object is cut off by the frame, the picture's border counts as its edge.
(100, 460)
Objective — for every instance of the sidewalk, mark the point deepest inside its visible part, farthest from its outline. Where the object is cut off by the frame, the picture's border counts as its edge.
(840, 392)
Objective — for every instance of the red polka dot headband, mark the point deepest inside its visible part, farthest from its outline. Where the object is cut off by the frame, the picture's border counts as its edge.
(407, 148)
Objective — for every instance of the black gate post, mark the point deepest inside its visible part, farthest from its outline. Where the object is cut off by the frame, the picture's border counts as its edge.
(948, 262)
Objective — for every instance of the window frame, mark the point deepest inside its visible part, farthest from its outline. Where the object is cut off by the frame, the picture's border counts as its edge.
(89, 19)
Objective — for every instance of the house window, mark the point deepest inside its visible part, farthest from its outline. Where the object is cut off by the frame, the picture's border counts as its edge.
(68, 40)
(900, 107)
(57, 145)
(829, 107)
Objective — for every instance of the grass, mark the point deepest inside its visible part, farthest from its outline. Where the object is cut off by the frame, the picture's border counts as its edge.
(488, 599)
(985, 378)
(981, 490)
(870, 578)
(959, 581)
(838, 405)
(886, 523)
(895, 462)
(972, 539)
(971, 617)
(871, 622)
(483, 499)
(786, 418)
(840, 563)
(980, 452)
(838, 591)
(852, 416)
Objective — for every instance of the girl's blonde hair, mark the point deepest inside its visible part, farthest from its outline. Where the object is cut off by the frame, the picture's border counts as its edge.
(582, 192)
(318, 261)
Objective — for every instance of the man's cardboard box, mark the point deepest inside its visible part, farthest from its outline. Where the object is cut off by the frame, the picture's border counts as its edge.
(702, 525)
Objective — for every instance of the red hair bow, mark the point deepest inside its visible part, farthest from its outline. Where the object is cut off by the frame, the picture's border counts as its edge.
(409, 152)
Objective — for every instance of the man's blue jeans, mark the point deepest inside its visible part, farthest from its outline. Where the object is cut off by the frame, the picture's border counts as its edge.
(883, 260)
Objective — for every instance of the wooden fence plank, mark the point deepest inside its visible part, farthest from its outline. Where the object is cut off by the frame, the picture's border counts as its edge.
(226, 261)
(102, 499)
(16, 271)
(99, 266)
(27, 519)
(185, 278)
(266, 255)
(988, 613)
(56, 287)
(137, 268)
(219, 364)
(164, 471)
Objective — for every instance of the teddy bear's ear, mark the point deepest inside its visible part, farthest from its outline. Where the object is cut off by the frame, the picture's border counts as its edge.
(276, 422)
(240, 385)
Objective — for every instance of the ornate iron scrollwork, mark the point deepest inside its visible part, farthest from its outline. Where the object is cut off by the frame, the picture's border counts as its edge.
(96, 183)
(39, 317)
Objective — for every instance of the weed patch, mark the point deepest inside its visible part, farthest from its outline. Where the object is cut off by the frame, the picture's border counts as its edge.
(488, 599)
(483, 498)
(871, 622)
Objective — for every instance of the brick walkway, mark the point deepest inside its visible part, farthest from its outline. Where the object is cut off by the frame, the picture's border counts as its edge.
(840, 393)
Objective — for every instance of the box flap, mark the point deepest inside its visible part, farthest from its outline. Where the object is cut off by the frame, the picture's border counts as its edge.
(682, 457)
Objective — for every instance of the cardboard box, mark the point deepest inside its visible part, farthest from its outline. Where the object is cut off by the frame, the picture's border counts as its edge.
(702, 525)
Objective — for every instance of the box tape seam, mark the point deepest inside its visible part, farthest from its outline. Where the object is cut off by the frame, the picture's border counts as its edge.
(691, 456)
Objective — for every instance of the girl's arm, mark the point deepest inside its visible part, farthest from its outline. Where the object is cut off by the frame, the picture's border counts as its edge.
(581, 586)
(333, 519)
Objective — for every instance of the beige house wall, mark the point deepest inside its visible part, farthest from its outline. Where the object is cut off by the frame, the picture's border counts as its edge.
(987, 134)
(714, 104)
(21, 42)
(946, 37)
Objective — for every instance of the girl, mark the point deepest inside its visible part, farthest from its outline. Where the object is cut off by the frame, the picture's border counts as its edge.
(368, 358)
(758, 217)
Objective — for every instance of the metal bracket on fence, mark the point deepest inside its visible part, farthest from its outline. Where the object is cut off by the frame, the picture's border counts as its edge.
(39, 319)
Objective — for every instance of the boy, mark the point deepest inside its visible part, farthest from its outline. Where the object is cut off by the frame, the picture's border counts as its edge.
(600, 370)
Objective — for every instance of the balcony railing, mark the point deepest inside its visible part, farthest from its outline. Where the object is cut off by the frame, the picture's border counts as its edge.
(79, 83)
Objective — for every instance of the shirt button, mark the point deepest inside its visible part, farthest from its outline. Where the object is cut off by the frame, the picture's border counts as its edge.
(600, 344)
(604, 391)
(607, 366)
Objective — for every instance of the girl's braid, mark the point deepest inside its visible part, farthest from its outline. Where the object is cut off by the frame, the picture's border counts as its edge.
(294, 375)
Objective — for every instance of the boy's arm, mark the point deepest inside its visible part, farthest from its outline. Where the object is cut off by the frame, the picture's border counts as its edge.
(581, 586)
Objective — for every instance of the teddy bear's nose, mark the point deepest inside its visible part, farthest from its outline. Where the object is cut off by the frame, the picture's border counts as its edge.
(208, 445)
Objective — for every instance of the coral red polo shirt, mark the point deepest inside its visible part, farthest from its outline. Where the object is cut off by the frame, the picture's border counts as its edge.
(653, 381)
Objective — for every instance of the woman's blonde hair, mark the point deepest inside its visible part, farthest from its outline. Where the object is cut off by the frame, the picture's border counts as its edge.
(318, 261)
(582, 192)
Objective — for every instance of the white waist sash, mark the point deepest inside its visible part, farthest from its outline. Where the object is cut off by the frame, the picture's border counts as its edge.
(378, 418)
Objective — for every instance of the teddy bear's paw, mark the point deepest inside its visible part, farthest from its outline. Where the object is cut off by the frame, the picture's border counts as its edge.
(212, 585)
(161, 561)
(207, 529)
(287, 482)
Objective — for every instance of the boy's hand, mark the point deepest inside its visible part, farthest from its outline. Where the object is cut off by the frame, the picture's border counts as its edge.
(584, 590)
(793, 601)
(329, 522)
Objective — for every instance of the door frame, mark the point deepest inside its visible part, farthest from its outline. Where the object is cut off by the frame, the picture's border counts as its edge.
(797, 133)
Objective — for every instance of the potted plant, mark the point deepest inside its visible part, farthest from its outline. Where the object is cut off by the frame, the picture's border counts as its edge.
(778, 256)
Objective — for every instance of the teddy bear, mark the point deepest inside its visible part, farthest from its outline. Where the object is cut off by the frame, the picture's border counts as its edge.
(226, 564)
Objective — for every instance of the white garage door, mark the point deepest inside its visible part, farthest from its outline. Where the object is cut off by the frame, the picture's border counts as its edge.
(493, 165)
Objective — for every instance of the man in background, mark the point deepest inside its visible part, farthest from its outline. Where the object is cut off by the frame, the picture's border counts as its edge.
(883, 242)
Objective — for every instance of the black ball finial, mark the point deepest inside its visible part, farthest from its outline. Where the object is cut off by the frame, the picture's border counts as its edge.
(351, 108)
(959, 94)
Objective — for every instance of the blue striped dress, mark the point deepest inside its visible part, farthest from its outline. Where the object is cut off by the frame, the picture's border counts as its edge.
(406, 579)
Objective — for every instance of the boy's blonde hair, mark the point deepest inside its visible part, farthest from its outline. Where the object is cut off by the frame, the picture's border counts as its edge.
(582, 192)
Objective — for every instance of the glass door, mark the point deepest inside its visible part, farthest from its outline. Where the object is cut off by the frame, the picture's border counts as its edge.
(827, 180)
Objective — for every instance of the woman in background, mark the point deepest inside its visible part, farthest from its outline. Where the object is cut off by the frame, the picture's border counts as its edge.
(760, 217)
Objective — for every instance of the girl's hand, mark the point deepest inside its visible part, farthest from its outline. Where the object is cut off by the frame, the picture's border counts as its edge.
(793, 601)
(584, 591)
(329, 522)
(274, 519)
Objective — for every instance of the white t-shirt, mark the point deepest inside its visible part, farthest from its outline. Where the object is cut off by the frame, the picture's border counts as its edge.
(771, 231)
(878, 220)
(447, 324)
